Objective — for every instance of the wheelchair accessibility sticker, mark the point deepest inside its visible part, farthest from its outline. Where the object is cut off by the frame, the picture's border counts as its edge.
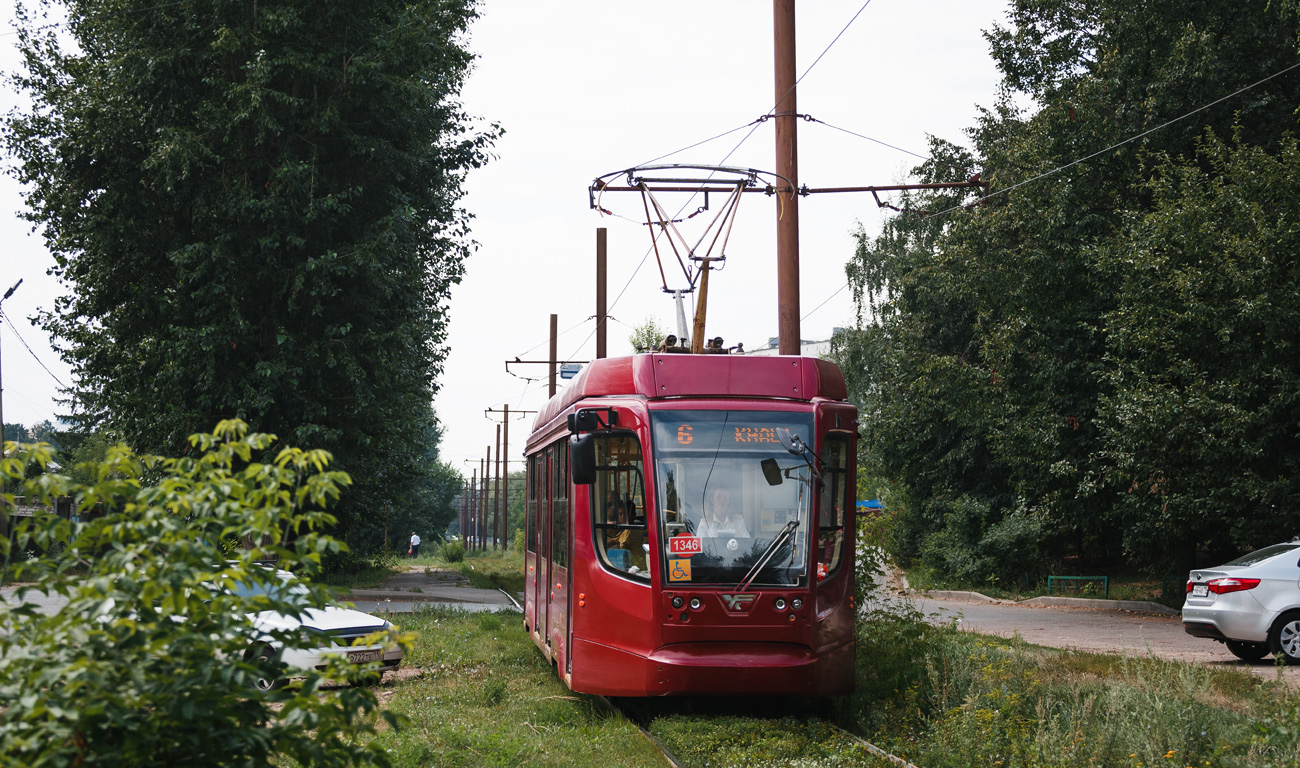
(679, 570)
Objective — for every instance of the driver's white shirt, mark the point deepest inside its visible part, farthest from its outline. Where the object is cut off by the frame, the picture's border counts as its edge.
(733, 527)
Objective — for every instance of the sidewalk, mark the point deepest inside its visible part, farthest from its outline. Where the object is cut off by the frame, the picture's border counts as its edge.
(1138, 606)
(431, 594)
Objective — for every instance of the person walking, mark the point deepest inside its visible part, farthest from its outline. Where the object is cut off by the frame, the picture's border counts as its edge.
(415, 545)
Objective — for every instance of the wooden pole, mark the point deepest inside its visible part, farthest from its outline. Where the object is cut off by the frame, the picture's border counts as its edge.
(787, 167)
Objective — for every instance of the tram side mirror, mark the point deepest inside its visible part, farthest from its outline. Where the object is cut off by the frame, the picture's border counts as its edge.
(789, 441)
(583, 421)
(582, 458)
(771, 472)
(792, 443)
(588, 420)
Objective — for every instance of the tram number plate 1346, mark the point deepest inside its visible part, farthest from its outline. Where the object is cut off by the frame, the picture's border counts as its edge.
(684, 546)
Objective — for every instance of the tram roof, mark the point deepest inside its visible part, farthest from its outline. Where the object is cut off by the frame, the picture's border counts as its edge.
(659, 376)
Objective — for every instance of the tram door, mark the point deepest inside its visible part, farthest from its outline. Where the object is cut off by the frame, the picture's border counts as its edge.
(557, 583)
(536, 534)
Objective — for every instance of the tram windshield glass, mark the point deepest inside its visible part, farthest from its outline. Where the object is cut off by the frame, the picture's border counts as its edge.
(734, 504)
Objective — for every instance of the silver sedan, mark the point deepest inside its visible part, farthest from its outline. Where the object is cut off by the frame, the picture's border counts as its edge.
(1251, 604)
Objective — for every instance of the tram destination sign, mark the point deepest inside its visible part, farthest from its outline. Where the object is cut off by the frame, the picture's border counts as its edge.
(747, 431)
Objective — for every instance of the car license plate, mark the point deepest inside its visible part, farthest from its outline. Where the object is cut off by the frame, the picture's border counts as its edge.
(361, 657)
(1200, 590)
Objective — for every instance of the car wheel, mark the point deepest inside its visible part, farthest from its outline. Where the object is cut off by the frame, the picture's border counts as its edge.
(1284, 638)
(1247, 651)
(265, 661)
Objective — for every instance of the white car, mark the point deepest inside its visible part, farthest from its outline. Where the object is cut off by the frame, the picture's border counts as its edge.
(336, 626)
(1251, 604)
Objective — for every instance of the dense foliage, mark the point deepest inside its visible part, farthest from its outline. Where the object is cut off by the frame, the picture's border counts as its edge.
(146, 663)
(254, 209)
(1096, 359)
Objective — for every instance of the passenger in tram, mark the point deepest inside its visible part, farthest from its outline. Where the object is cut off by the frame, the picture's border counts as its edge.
(719, 519)
(624, 545)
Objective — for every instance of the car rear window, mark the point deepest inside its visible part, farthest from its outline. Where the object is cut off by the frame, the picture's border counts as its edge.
(1260, 555)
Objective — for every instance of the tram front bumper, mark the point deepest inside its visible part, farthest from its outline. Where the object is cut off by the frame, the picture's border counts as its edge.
(749, 668)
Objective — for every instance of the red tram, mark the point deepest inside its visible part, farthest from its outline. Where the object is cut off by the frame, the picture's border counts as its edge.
(690, 527)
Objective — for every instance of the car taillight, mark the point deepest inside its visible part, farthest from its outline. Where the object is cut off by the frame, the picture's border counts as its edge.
(1224, 586)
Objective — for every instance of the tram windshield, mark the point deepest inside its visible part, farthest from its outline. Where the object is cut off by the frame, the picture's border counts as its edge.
(724, 519)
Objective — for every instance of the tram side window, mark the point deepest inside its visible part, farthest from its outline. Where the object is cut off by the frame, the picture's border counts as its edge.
(618, 505)
(835, 500)
(559, 455)
(530, 531)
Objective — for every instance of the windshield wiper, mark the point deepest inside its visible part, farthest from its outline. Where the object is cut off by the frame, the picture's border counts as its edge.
(781, 538)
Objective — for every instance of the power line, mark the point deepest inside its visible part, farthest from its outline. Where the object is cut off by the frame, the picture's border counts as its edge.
(828, 298)
(1117, 145)
(753, 126)
(14, 328)
(1098, 153)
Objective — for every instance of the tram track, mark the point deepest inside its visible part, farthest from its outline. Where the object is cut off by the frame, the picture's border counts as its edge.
(642, 714)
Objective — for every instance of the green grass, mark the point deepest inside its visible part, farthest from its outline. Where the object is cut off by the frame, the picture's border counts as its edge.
(1122, 587)
(941, 697)
(495, 570)
(485, 696)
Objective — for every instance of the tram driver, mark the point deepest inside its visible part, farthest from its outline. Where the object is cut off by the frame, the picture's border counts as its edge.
(719, 517)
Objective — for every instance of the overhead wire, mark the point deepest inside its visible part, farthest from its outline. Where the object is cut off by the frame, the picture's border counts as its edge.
(14, 328)
(753, 126)
(1119, 144)
(1086, 158)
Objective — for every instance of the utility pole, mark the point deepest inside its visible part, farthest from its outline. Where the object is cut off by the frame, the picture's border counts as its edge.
(787, 167)
(497, 512)
(483, 510)
(555, 344)
(8, 522)
(460, 528)
(601, 246)
(472, 532)
(505, 471)
(504, 455)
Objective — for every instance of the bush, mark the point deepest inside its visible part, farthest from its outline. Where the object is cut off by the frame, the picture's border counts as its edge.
(453, 552)
(145, 663)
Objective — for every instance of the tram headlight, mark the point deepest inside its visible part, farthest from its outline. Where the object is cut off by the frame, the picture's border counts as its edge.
(695, 603)
(796, 603)
(780, 603)
(678, 602)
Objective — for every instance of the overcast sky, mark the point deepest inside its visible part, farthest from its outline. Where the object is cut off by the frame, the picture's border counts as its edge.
(587, 88)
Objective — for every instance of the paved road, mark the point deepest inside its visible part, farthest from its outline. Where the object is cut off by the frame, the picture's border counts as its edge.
(369, 601)
(1128, 632)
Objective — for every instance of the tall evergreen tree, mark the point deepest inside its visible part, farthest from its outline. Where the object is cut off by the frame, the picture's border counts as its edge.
(255, 209)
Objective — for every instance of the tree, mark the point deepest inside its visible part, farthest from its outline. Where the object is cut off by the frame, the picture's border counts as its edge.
(145, 664)
(1206, 382)
(647, 336)
(987, 367)
(15, 432)
(255, 211)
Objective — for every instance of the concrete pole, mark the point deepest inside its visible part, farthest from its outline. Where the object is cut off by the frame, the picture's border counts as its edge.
(505, 489)
(496, 499)
(472, 532)
(787, 167)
